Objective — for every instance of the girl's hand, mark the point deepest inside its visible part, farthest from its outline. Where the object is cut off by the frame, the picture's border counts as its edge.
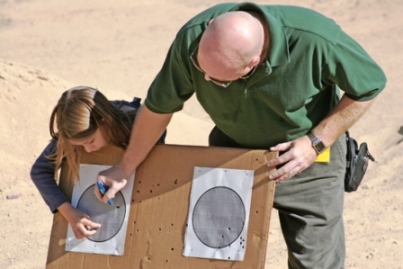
(79, 221)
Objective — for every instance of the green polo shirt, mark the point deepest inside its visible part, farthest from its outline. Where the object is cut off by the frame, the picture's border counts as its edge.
(309, 59)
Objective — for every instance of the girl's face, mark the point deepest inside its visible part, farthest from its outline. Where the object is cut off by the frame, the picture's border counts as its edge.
(94, 142)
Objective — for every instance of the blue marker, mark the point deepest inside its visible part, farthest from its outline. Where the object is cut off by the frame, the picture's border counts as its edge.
(103, 189)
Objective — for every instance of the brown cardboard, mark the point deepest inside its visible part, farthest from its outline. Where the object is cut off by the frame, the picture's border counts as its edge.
(158, 212)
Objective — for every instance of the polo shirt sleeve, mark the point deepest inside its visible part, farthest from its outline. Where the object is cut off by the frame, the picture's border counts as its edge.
(173, 84)
(353, 70)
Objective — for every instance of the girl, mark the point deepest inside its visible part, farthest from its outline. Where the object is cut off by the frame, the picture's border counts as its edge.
(83, 117)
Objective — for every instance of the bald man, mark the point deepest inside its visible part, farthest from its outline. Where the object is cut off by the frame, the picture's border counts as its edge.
(269, 77)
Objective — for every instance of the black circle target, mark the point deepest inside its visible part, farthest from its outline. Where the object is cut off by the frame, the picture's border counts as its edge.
(111, 217)
(219, 217)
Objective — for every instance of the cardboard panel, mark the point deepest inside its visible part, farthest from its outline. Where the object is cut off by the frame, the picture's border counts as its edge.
(160, 203)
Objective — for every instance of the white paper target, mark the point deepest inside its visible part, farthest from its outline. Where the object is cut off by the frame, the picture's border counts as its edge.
(218, 213)
(110, 237)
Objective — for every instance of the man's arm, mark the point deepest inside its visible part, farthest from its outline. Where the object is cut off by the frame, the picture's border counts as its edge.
(148, 127)
(341, 118)
(299, 154)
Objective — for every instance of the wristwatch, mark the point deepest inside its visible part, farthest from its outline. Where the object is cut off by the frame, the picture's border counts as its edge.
(317, 144)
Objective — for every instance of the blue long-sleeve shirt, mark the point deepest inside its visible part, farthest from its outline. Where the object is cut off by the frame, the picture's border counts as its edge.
(43, 176)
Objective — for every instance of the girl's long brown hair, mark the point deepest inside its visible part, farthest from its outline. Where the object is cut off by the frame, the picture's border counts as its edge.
(79, 112)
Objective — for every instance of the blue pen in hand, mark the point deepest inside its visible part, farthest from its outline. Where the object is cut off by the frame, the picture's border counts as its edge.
(103, 190)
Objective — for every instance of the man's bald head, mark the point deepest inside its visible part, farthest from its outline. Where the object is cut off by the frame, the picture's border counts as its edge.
(230, 43)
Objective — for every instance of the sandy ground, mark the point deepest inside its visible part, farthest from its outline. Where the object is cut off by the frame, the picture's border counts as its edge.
(119, 46)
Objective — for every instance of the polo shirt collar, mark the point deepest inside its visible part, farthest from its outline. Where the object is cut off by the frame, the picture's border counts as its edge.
(278, 49)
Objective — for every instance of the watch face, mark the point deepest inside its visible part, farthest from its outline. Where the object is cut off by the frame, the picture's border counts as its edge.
(320, 147)
(316, 143)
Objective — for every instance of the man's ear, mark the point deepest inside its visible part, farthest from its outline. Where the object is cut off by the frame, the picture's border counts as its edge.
(254, 62)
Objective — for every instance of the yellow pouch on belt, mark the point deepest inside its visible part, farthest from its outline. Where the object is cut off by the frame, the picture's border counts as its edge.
(324, 157)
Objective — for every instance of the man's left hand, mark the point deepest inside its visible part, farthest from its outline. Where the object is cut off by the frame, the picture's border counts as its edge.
(297, 155)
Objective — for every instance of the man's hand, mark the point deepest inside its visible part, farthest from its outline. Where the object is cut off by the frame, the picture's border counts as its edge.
(148, 128)
(79, 221)
(297, 156)
(115, 178)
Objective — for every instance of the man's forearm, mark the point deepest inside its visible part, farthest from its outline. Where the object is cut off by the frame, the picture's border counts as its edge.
(341, 118)
(147, 129)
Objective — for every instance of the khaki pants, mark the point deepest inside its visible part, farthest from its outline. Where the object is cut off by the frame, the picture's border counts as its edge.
(310, 207)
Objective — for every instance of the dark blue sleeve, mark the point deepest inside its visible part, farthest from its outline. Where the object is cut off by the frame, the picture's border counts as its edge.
(136, 103)
(43, 176)
(162, 138)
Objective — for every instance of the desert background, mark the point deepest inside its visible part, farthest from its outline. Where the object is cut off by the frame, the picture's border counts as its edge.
(119, 46)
